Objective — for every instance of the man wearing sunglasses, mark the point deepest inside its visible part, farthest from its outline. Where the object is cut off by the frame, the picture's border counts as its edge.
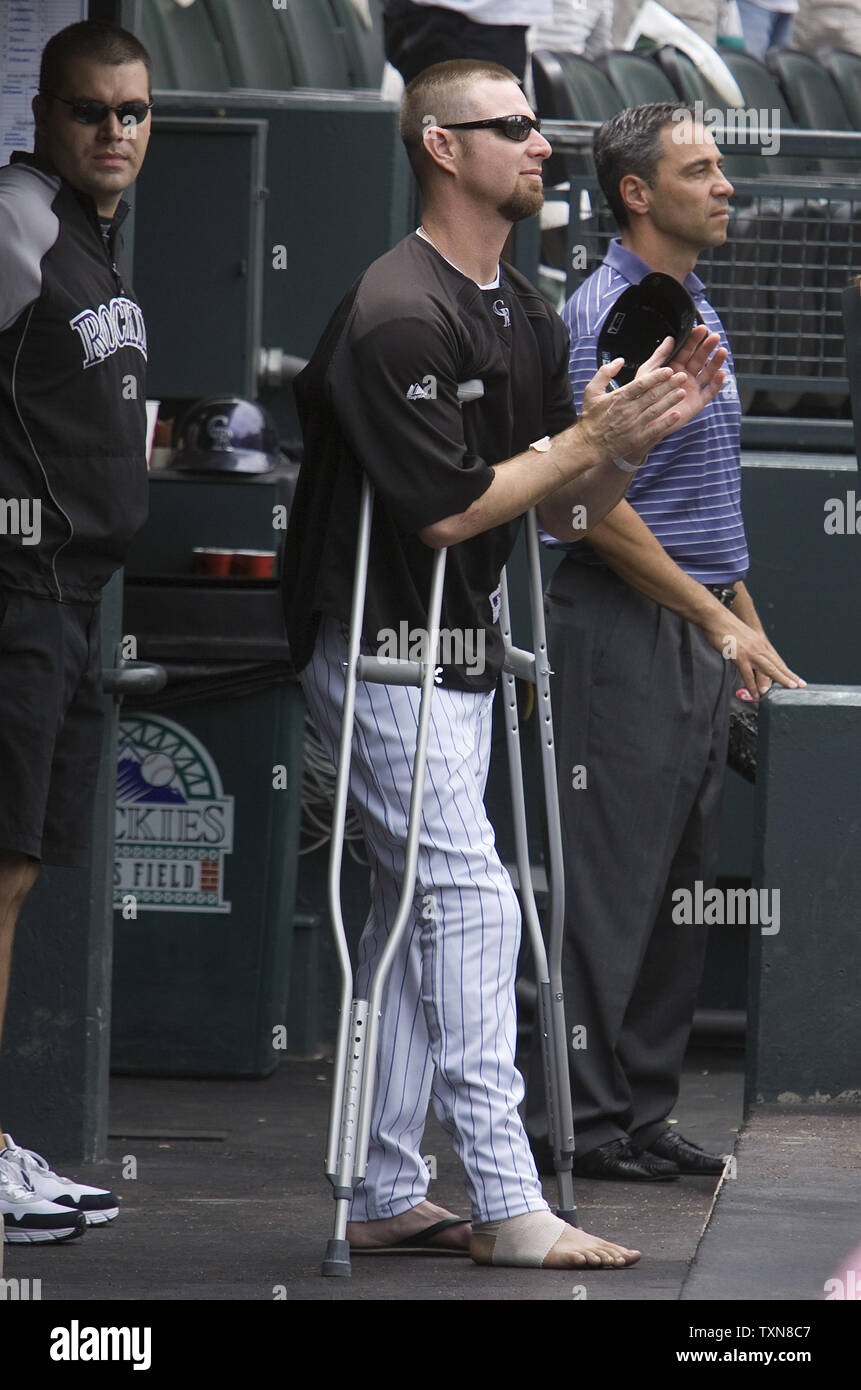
(74, 492)
(380, 396)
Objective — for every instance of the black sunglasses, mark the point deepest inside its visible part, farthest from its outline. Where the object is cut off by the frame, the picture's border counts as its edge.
(94, 112)
(513, 127)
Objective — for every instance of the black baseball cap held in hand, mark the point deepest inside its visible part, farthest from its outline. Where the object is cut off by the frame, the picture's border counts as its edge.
(657, 308)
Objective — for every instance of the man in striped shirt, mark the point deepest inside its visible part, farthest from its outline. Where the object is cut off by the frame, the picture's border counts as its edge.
(646, 614)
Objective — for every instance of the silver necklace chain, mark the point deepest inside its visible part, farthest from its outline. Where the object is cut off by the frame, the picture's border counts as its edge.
(423, 232)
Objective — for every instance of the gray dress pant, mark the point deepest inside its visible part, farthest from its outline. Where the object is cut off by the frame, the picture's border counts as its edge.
(641, 709)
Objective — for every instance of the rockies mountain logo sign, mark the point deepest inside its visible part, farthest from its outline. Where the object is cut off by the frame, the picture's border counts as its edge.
(174, 825)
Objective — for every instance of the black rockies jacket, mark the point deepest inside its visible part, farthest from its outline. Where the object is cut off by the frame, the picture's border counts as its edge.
(72, 389)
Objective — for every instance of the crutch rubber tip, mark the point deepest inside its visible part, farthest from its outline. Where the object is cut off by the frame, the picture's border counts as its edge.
(337, 1259)
(569, 1214)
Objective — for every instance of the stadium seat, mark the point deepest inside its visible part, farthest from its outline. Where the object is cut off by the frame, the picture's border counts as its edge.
(813, 98)
(364, 47)
(253, 44)
(570, 88)
(762, 93)
(844, 69)
(637, 79)
(759, 86)
(186, 37)
(691, 84)
(317, 56)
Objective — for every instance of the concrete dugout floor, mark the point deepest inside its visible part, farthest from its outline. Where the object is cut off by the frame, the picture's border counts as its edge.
(229, 1202)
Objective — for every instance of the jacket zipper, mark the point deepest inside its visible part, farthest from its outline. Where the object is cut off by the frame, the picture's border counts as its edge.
(109, 256)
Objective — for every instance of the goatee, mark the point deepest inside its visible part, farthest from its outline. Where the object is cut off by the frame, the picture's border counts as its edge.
(523, 202)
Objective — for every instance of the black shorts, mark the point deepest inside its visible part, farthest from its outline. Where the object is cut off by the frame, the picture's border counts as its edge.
(416, 36)
(51, 715)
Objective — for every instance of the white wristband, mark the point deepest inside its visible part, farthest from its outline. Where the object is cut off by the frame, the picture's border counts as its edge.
(625, 466)
(542, 445)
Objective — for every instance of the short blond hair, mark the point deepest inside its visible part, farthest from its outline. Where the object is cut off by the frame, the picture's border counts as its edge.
(439, 95)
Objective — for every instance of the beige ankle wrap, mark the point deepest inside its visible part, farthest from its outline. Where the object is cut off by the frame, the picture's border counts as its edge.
(524, 1241)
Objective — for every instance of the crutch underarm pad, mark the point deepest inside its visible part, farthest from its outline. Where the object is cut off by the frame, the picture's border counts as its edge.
(389, 671)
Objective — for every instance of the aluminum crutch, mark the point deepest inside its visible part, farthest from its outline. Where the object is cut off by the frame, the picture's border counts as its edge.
(534, 667)
(358, 1025)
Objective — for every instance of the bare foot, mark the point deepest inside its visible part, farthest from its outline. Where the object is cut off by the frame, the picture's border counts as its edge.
(575, 1249)
(367, 1235)
(578, 1249)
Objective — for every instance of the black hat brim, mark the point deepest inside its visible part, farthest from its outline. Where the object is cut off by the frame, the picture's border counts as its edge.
(657, 308)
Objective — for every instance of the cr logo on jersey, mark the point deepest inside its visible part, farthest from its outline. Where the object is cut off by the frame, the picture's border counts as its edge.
(501, 309)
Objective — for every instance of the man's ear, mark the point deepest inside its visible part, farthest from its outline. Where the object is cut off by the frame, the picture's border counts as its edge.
(439, 146)
(633, 192)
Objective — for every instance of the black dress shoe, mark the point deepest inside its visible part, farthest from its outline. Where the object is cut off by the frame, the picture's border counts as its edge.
(688, 1157)
(619, 1162)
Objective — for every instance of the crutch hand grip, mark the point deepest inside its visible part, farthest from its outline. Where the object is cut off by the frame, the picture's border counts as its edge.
(520, 663)
(389, 670)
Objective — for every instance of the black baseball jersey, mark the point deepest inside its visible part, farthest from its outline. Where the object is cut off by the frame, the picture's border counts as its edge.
(380, 395)
(72, 387)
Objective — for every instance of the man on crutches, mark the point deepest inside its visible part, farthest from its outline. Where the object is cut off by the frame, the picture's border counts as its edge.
(380, 399)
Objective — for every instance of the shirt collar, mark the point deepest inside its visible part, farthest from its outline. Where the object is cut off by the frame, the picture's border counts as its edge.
(633, 268)
(25, 157)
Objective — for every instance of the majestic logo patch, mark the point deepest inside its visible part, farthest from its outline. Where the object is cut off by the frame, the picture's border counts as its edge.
(105, 330)
(424, 390)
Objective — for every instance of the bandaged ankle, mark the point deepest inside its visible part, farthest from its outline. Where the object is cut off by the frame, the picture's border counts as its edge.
(523, 1241)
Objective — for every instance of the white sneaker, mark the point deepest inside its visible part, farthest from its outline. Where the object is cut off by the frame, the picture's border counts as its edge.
(97, 1204)
(29, 1217)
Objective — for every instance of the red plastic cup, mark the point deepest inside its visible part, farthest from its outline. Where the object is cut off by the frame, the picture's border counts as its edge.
(212, 560)
(253, 564)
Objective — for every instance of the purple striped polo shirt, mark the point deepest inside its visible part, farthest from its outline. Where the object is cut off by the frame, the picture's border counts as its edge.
(688, 492)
